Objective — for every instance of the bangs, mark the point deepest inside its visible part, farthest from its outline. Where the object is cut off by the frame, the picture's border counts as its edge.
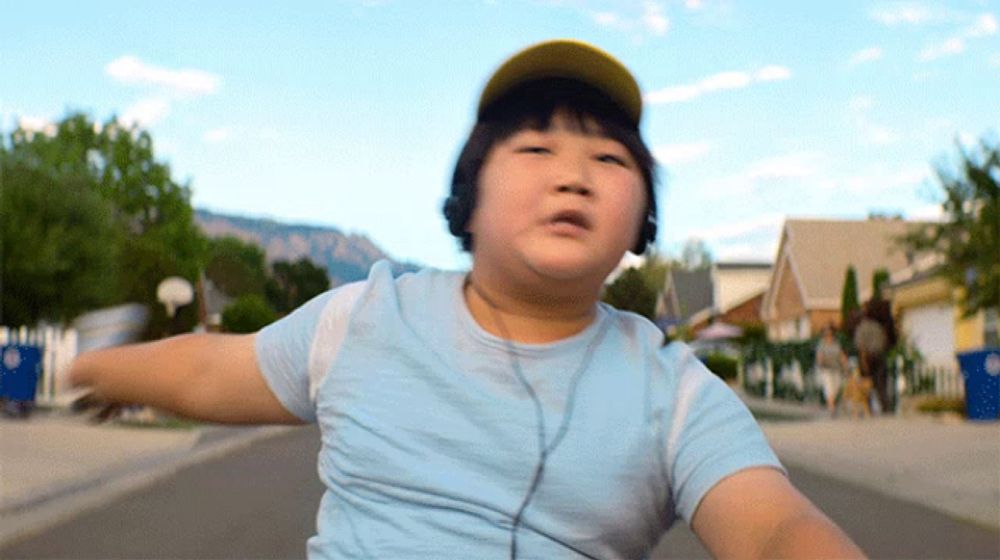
(533, 105)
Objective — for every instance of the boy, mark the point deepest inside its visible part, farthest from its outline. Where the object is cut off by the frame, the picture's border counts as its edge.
(504, 412)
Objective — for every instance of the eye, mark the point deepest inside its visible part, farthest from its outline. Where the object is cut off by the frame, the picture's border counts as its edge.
(612, 158)
(533, 150)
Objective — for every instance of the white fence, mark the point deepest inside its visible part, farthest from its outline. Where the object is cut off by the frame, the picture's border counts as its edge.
(792, 381)
(59, 347)
(101, 328)
(939, 381)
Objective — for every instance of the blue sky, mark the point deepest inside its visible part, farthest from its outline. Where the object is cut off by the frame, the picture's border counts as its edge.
(350, 112)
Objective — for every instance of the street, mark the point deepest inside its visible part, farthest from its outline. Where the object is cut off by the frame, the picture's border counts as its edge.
(261, 502)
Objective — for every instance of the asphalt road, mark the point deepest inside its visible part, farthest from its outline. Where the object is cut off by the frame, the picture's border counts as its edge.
(261, 502)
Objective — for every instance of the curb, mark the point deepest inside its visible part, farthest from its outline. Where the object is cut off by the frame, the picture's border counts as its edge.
(36, 514)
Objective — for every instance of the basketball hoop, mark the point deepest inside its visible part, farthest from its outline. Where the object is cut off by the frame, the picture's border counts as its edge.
(174, 292)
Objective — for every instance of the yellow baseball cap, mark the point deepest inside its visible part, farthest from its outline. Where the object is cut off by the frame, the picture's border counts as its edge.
(567, 58)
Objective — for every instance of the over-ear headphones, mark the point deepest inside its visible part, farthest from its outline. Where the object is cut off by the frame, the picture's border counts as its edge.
(647, 234)
(452, 211)
(458, 212)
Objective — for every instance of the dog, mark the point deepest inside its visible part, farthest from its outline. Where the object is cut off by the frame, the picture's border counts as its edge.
(857, 395)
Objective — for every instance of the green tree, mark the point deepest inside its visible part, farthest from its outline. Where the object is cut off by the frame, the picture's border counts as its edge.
(695, 255)
(969, 238)
(59, 247)
(293, 283)
(654, 270)
(237, 267)
(880, 279)
(850, 303)
(249, 313)
(152, 213)
(630, 292)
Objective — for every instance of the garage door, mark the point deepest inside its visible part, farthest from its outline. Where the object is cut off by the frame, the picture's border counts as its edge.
(931, 329)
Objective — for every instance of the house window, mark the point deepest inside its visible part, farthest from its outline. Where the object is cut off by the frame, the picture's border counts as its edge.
(991, 329)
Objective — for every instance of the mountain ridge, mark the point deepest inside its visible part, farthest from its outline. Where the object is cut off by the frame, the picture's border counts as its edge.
(346, 257)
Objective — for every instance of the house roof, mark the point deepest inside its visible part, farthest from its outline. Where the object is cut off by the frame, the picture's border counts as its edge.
(743, 265)
(688, 292)
(820, 251)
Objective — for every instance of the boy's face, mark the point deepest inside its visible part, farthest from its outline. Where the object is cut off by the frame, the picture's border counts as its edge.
(562, 203)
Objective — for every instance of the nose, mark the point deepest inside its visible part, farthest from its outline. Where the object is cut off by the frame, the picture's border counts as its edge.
(572, 176)
(574, 188)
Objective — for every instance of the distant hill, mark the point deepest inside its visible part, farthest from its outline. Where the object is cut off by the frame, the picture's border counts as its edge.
(347, 258)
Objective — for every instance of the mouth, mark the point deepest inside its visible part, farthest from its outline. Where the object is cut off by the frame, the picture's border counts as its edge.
(571, 218)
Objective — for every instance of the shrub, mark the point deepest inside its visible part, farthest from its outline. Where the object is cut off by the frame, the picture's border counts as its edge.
(935, 405)
(247, 314)
(722, 365)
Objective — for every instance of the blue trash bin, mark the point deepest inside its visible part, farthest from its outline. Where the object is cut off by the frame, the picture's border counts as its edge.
(981, 372)
(20, 366)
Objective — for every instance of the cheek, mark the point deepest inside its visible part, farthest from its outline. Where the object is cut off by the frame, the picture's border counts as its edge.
(631, 203)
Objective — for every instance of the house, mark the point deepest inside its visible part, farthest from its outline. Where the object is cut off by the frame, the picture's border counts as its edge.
(930, 320)
(805, 289)
(727, 291)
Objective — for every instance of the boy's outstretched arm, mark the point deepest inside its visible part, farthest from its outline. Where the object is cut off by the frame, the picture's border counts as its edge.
(757, 513)
(212, 377)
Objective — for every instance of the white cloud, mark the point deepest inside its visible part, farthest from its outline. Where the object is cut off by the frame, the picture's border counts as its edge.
(870, 133)
(145, 112)
(911, 13)
(724, 80)
(985, 24)
(879, 180)
(860, 103)
(773, 73)
(794, 166)
(766, 224)
(131, 70)
(676, 154)
(788, 166)
(34, 125)
(652, 19)
(216, 135)
(693, 4)
(716, 82)
(763, 251)
(927, 213)
(878, 134)
(951, 47)
(673, 94)
(606, 19)
(866, 55)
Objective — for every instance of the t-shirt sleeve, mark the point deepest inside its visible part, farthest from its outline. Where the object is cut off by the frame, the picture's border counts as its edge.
(712, 434)
(294, 352)
(283, 355)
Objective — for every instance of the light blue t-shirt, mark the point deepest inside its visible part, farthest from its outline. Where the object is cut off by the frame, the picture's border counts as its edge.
(429, 441)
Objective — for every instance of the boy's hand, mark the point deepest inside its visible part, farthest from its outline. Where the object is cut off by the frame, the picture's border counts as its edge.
(89, 402)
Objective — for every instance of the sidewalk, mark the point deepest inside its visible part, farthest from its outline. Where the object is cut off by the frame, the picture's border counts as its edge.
(948, 464)
(54, 466)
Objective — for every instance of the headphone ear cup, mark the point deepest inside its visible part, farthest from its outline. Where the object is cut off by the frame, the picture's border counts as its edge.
(647, 234)
(453, 213)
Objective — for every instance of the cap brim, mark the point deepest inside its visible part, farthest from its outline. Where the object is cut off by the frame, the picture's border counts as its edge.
(567, 58)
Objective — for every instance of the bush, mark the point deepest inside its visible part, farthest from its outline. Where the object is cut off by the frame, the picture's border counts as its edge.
(721, 365)
(247, 314)
(936, 405)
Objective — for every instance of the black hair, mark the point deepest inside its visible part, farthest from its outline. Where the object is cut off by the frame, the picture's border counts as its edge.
(532, 106)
